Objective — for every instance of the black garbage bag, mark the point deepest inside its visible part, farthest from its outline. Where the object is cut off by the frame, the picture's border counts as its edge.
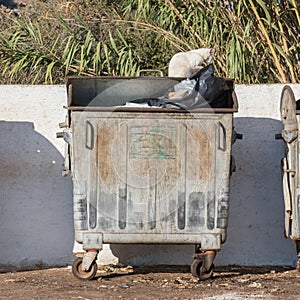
(206, 90)
(201, 90)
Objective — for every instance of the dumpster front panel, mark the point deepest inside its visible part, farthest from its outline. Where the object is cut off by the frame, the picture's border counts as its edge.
(151, 178)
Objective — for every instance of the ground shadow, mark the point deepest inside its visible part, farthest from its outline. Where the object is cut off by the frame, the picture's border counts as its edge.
(8, 3)
(219, 272)
(36, 219)
(236, 271)
(13, 269)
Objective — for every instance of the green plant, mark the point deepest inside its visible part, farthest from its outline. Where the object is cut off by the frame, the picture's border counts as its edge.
(35, 51)
(255, 41)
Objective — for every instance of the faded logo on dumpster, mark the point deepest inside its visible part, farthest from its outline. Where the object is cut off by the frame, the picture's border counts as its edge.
(152, 142)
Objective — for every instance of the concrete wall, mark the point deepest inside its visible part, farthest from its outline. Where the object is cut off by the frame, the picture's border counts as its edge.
(36, 202)
(36, 225)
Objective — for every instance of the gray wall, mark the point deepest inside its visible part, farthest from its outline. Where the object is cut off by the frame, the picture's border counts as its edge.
(36, 225)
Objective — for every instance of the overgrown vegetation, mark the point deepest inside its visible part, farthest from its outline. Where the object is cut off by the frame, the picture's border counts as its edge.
(256, 41)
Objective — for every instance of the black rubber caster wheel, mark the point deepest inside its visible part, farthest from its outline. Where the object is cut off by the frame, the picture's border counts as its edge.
(79, 273)
(199, 271)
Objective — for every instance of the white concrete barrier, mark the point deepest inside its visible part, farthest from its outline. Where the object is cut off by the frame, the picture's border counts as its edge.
(36, 202)
(36, 223)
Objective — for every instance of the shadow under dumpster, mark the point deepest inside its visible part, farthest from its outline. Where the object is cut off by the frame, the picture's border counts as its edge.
(256, 214)
(219, 272)
(36, 223)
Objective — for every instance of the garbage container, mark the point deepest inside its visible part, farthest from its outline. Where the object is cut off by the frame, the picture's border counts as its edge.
(146, 175)
(290, 165)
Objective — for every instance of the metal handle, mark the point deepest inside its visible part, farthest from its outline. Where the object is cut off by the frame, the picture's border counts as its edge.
(149, 71)
(236, 136)
(59, 135)
(239, 136)
(63, 125)
(65, 135)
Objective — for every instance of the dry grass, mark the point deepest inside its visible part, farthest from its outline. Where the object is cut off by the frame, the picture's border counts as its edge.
(256, 41)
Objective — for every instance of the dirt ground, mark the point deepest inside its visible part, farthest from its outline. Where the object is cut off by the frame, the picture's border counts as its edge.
(152, 282)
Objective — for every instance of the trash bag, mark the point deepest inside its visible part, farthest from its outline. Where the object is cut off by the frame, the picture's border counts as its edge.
(201, 90)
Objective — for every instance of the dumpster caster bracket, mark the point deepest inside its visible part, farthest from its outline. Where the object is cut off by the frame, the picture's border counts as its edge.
(80, 273)
(202, 266)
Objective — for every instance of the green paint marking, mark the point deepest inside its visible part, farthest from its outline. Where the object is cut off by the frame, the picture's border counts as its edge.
(153, 142)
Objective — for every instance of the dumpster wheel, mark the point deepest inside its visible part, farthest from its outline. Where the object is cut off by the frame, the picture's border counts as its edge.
(79, 273)
(198, 270)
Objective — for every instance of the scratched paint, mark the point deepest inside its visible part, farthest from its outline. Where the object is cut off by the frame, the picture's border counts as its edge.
(153, 142)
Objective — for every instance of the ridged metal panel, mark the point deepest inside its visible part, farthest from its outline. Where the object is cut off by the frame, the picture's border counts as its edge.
(153, 173)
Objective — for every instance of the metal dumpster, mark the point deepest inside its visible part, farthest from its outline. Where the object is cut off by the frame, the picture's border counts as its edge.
(290, 117)
(145, 175)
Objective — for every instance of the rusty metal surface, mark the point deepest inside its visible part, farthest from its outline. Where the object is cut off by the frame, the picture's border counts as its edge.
(164, 175)
(146, 177)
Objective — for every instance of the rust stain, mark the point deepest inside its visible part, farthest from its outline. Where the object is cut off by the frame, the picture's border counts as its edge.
(159, 172)
(105, 139)
(155, 160)
(140, 168)
(153, 157)
(171, 175)
(202, 154)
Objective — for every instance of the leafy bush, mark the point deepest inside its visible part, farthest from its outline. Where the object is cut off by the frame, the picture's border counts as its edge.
(256, 41)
